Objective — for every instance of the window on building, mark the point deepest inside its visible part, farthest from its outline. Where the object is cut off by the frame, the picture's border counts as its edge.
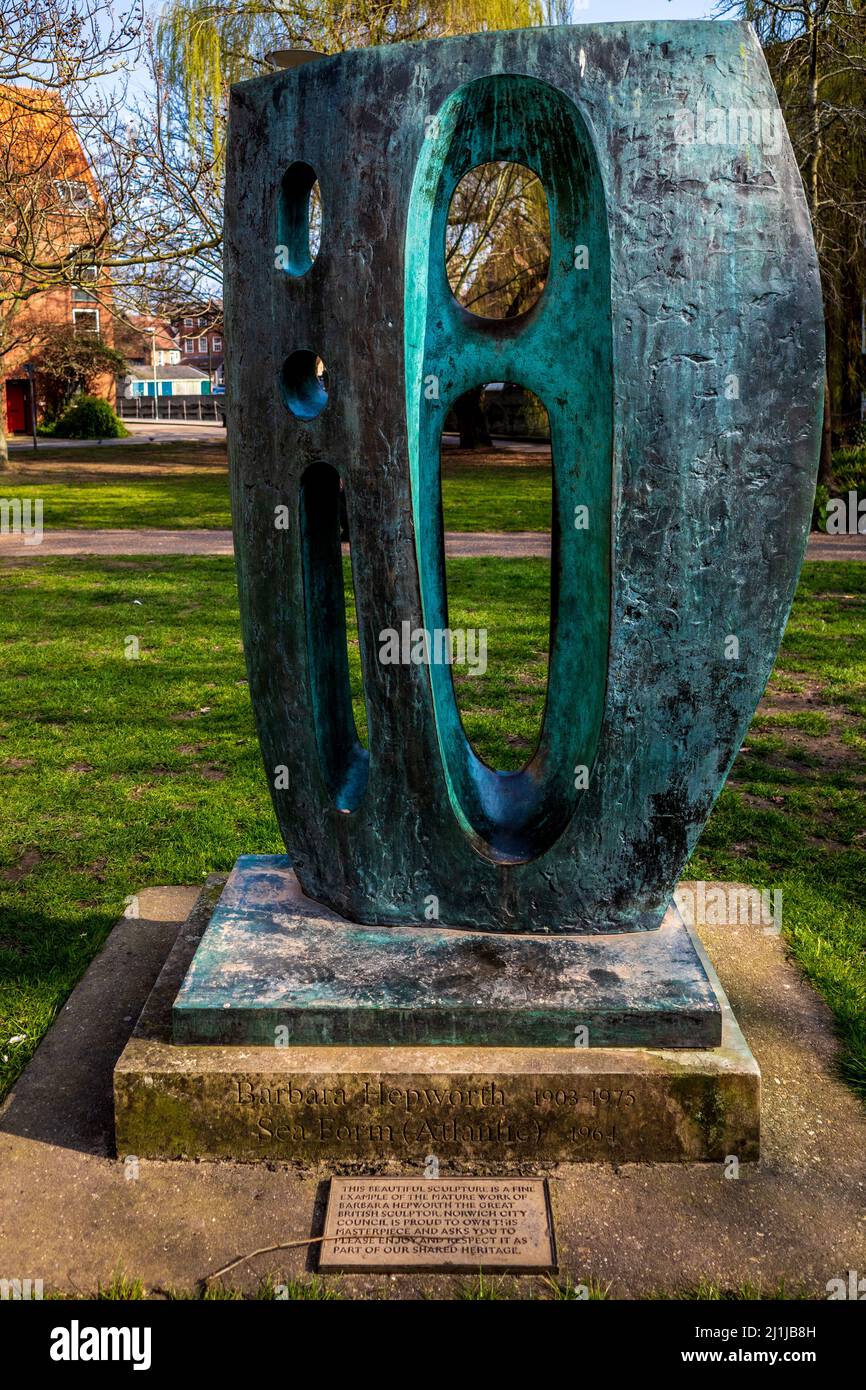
(85, 320)
(189, 345)
(86, 276)
(217, 344)
(187, 323)
(73, 193)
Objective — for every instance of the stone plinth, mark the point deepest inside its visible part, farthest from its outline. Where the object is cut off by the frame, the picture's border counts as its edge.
(478, 1109)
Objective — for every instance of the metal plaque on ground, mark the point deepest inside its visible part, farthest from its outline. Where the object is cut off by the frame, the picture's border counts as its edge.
(454, 1223)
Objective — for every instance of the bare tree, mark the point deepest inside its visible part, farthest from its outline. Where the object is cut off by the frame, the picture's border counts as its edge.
(816, 52)
(53, 219)
(104, 193)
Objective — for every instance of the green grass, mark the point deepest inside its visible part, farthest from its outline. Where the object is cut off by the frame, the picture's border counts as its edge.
(272, 1290)
(121, 1289)
(119, 773)
(565, 1289)
(177, 503)
(476, 496)
(484, 1289)
(490, 498)
(792, 813)
(706, 1291)
(509, 599)
(481, 1288)
(116, 773)
(493, 498)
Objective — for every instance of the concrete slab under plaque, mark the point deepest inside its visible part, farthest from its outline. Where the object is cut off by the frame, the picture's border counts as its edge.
(273, 959)
(483, 1110)
(438, 1224)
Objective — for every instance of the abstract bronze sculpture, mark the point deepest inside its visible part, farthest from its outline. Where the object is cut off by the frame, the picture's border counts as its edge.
(677, 347)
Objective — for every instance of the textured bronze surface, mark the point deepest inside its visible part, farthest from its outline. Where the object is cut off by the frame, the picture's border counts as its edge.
(275, 967)
(678, 349)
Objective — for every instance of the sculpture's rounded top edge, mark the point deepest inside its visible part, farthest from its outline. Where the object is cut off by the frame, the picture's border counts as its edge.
(660, 30)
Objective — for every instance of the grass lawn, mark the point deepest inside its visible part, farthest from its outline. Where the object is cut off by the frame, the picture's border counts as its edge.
(496, 492)
(177, 486)
(182, 486)
(185, 485)
(119, 773)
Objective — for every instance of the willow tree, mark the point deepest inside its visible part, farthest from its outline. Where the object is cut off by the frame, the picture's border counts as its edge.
(209, 44)
(498, 244)
(497, 257)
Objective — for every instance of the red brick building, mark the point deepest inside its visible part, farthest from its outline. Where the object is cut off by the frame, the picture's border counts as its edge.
(51, 206)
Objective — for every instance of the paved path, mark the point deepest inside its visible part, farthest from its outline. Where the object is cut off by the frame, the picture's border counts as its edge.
(509, 545)
(140, 432)
(836, 548)
(129, 542)
(173, 431)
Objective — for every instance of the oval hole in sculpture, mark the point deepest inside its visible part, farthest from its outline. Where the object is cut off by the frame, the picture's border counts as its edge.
(333, 657)
(562, 350)
(497, 240)
(304, 384)
(495, 461)
(299, 219)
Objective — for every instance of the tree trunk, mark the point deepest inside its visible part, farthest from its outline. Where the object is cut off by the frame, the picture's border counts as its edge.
(815, 150)
(4, 447)
(471, 421)
(825, 467)
(813, 186)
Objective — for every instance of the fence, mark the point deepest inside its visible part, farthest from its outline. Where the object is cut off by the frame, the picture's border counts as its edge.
(193, 409)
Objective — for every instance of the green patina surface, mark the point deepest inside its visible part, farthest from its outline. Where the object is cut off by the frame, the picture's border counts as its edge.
(274, 967)
(561, 350)
(683, 372)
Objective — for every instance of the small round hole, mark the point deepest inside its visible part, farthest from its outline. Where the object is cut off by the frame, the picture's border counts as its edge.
(304, 382)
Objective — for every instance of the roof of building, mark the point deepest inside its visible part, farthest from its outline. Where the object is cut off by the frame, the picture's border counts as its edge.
(199, 308)
(38, 131)
(134, 330)
(178, 373)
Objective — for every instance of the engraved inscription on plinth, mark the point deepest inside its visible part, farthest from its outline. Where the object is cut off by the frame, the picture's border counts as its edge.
(466, 1115)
